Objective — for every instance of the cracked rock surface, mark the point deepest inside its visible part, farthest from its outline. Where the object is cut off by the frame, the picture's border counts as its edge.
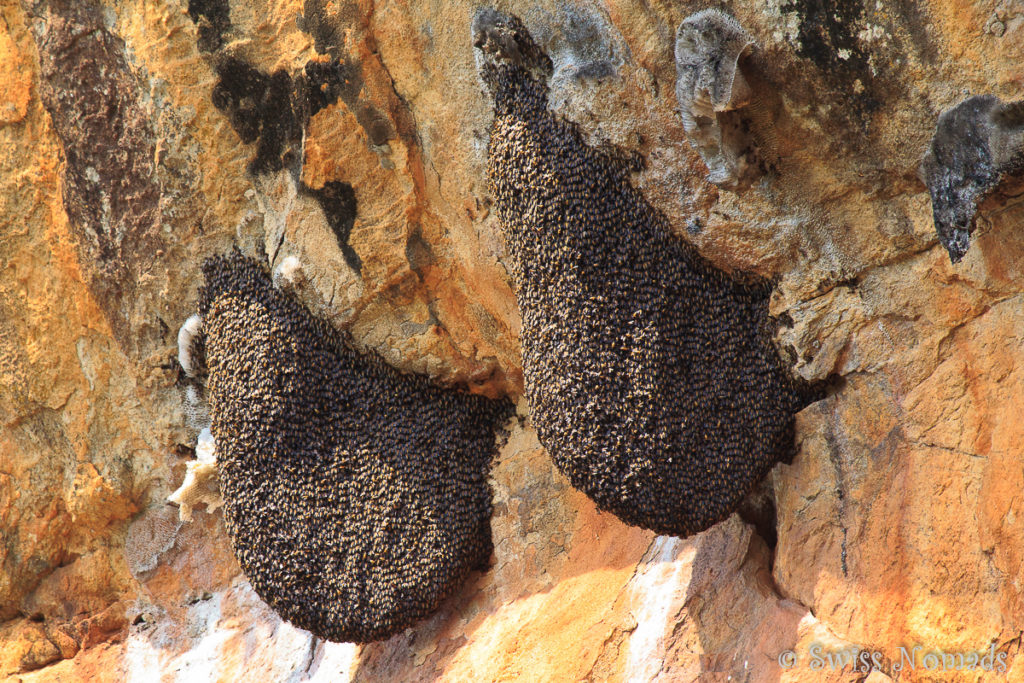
(138, 137)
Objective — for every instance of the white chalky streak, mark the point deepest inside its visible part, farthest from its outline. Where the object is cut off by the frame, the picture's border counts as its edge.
(664, 570)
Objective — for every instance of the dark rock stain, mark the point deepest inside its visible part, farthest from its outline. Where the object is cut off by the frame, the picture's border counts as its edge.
(327, 82)
(825, 28)
(261, 109)
(326, 29)
(110, 191)
(338, 202)
(213, 19)
(913, 18)
(273, 110)
(828, 27)
(418, 251)
(594, 71)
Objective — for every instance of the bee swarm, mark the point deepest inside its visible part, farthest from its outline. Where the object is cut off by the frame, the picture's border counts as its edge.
(651, 376)
(355, 496)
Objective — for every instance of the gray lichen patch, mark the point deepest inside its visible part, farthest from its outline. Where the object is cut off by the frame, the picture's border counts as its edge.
(650, 374)
(710, 83)
(976, 145)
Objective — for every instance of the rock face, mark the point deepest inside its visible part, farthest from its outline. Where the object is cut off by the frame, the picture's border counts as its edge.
(138, 138)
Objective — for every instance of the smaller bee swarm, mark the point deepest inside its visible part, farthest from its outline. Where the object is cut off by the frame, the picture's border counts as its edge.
(201, 484)
(710, 82)
(976, 145)
(356, 497)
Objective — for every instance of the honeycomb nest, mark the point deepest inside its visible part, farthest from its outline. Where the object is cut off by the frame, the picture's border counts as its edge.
(650, 374)
(355, 497)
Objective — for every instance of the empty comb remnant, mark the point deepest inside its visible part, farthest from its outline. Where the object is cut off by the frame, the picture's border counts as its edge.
(200, 485)
(709, 82)
(581, 43)
(355, 497)
(150, 536)
(650, 374)
(976, 144)
(289, 273)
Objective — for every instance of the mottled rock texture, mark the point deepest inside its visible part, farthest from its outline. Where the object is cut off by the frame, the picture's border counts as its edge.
(138, 137)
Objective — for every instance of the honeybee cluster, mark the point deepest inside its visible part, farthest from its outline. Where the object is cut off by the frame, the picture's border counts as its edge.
(651, 376)
(355, 496)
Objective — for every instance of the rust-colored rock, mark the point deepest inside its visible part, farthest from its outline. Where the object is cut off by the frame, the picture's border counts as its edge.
(899, 521)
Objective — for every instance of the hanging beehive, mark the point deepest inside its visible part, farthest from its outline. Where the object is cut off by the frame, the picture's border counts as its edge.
(650, 374)
(355, 496)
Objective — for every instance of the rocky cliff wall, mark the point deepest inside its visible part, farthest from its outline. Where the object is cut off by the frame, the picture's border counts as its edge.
(137, 138)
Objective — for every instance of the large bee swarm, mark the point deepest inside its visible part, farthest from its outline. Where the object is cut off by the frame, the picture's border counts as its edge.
(650, 374)
(355, 497)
